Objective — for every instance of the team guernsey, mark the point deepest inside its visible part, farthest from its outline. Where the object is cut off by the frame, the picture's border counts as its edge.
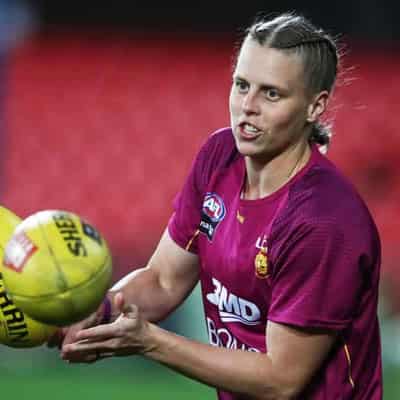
(307, 255)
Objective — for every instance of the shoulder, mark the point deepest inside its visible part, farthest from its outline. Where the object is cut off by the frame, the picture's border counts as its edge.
(219, 147)
(324, 192)
(324, 200)
(217, 153)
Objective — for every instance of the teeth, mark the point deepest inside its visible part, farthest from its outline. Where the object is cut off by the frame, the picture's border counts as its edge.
(250, 128)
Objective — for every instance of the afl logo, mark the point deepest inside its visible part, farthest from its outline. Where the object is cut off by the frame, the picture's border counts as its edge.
(212, 213)
(214, 207)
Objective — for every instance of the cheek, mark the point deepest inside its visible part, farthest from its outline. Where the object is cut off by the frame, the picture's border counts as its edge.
(282, 117)
(234, 104)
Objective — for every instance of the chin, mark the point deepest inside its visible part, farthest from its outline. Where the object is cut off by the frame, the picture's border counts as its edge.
(255, 152)
(247, 149)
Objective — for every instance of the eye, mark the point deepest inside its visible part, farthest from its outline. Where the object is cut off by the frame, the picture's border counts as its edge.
(241, 85)
(272, 94)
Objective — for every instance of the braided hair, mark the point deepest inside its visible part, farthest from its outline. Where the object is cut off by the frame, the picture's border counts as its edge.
(295, 34)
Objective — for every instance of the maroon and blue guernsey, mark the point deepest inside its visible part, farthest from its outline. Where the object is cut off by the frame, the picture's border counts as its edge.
(308, 255)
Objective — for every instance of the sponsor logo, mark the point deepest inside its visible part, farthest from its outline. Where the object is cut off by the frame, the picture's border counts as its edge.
(261, 242)
(18, 251)
(90, 232)
(13, 318)
(222, 337)
(232, 308)
(70, 233)
(212, 213)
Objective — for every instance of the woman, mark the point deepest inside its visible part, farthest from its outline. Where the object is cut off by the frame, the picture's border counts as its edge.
(286, 251)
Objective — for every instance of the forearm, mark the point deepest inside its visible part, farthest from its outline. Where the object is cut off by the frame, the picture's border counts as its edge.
(158, 289)
(248, 373)
(142, 287)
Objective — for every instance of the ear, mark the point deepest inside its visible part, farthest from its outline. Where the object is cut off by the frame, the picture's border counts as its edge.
(317, 106)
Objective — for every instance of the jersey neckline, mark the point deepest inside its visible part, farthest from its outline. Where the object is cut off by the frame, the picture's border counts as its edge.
(283, 189)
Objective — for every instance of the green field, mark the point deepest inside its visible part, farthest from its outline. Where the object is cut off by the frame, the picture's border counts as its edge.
(32, 376)
(110, 379)
(392, 383)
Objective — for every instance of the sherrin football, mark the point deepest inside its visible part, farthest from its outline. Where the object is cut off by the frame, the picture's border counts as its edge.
(16, 328)
(57, 267)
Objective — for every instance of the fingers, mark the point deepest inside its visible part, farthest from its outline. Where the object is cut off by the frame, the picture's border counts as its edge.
(67, 335)
(78, 333)
(119, 302)
(89, 358)
(70, 332)
(101, 332)
(87, 352)
(129, 310)
(56, 339)
(84, 347)
(122, 337)
(83, 358)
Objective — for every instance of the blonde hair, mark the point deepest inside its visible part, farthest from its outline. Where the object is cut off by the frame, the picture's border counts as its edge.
(318, 50)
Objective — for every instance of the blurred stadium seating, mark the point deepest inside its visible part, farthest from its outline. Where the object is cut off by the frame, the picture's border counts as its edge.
(108, 128)
(106, 125)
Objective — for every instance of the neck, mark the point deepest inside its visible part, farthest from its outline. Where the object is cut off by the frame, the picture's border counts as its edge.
(266, 177)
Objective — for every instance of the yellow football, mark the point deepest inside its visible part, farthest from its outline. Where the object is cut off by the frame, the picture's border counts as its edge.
(16, 328)
(57, 267)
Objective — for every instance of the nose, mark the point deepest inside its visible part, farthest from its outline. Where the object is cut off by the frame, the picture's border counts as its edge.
(250, 103)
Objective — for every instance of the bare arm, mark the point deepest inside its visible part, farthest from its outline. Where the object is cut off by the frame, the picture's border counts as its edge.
(163, 284)
(294, 355)
(293, 358)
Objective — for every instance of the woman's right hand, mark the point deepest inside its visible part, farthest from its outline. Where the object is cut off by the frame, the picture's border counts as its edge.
(66, 335)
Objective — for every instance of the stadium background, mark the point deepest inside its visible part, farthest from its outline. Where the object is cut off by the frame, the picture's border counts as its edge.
(103, 107)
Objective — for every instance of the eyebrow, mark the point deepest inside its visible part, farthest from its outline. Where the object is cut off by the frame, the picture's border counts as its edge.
(263, 86)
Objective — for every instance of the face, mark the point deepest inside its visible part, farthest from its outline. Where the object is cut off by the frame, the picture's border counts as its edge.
(270, 107)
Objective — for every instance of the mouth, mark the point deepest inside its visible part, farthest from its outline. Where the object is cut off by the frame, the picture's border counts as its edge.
(248, 131)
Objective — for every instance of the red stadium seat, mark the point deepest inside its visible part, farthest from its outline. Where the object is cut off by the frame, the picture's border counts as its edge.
(107, 126)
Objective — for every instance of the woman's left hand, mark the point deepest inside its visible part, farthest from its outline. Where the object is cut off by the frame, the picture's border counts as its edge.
(128, 334)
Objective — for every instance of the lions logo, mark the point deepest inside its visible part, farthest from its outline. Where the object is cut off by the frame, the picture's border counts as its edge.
(212, 213)
(261, 263)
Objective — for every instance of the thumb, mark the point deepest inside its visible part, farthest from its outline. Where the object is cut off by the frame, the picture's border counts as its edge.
(119, 302)
(128, 310)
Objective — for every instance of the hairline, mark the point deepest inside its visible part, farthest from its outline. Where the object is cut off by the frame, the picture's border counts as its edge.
(290, 51)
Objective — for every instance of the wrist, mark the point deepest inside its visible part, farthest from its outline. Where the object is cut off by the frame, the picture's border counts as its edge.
(151, 342)
(104, 311)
